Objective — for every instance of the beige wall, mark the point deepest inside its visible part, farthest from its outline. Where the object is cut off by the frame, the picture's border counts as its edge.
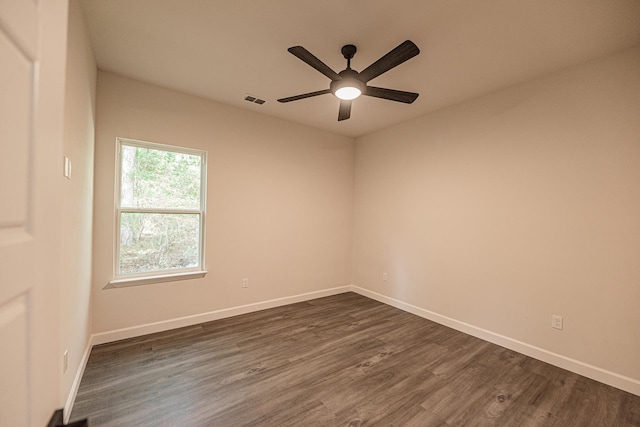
(79, 118)
(279, 204)
(512, 207)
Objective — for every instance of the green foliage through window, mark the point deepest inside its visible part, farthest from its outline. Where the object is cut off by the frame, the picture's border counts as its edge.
(159, 179)
(161, 208)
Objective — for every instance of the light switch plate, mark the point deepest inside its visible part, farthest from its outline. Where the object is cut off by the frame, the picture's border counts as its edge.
(67, 167)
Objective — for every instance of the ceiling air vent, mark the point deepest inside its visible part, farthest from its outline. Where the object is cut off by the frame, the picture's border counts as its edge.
(253, 99)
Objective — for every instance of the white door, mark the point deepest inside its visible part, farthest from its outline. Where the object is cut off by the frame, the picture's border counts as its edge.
(32, 55)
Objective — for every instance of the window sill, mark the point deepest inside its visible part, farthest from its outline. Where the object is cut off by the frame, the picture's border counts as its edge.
(147, 280)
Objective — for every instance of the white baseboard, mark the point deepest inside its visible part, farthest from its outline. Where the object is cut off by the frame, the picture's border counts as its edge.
(149, 328)
(613, 379)
(71, 398)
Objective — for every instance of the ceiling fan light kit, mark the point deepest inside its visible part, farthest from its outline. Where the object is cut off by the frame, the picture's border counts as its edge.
(348, 92)
(348, 87)
(349, 84)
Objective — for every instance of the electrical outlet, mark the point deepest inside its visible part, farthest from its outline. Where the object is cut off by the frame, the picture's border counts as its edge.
(65, 361)
(385, 277)
(245, 283)
(556, 322)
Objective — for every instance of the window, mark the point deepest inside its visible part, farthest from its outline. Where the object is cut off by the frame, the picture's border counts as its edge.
(160, 213)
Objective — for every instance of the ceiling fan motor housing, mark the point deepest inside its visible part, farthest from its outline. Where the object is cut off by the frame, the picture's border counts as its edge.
(349, 78)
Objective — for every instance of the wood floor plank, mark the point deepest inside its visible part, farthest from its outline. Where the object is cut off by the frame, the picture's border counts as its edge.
(343, 360)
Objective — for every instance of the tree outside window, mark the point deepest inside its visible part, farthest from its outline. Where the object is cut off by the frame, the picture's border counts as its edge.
(160, 209)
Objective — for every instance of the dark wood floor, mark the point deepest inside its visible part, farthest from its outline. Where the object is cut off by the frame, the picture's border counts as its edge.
(344, 360)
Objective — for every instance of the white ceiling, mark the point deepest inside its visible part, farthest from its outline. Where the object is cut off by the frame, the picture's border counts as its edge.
(222, 50)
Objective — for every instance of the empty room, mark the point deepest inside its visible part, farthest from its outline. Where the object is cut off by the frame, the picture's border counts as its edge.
(330, 213)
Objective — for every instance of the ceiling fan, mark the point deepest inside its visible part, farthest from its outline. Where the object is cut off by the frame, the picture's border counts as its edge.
(349, 84)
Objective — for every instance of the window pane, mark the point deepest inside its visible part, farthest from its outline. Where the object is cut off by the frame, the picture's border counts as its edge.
(159, 179)
(152, 241)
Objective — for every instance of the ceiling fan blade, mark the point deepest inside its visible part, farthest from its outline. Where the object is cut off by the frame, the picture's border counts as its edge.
(345, 110)
(391, 94)
(310, 59)
(304, 95)
(403, 52)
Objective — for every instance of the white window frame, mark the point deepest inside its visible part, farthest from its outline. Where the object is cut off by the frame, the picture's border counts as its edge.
(121, 280)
